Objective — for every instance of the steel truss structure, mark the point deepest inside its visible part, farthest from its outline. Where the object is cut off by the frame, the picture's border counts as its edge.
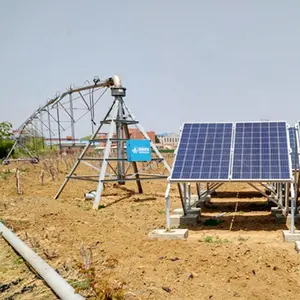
(59, 116)
(284, 194)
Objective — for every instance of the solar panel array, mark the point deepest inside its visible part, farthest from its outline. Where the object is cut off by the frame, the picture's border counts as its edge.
(258, 151)
(294, 148)
(204, 152)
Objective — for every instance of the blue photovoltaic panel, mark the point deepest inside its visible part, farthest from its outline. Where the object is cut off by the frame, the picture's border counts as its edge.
(203, 152)
(261, 152)
(292, 135)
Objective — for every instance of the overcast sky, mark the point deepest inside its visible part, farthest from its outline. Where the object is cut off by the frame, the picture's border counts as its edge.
(190, 60)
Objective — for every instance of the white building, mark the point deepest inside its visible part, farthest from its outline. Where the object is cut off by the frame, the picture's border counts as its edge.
(169, 140)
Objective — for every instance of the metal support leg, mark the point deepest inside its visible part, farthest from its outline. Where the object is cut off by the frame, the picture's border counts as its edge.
(120, 147)
(167, 197)
(189, 196)
(180, 189)
(198, 190)
(134, 165)
(106, 155)
(279, 191)
(293, 204)
(287, 196)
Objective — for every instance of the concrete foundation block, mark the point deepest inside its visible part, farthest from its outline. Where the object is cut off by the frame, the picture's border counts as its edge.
(173, 234)
(291, 237)
(180, 220)
(297, 246)
(193, 210)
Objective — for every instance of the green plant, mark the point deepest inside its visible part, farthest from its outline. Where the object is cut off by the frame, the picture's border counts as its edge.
(5, 174)
(18, 261)
(208, 239)
(80, 285)
(216, 240)
(5, 146)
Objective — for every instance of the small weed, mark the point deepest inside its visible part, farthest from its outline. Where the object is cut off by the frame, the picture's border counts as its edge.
(208, 239)
(18, 261)
(101, 206)
(5, 174)
(162, 212)
(80, 285)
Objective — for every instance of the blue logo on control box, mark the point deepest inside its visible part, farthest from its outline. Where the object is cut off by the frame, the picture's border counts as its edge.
(138, 150)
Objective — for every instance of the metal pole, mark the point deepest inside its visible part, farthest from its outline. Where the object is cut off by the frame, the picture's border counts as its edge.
(184, 194)
(189, 195)
(180, 190)
(167, 197)
(120, 148)
(287, 195)
(279, 190)
(72, 118)
(58, 127)
(198, 190)
(92, 110)
(49, 126)
(134, 164)
(106, 156)
(292, 229)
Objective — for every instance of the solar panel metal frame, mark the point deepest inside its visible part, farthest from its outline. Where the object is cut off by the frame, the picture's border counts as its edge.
(202, 180)
(261, 179)
(230, 179)
(296, 127)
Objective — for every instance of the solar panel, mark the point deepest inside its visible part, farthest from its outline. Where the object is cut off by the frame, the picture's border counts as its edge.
(261, 152)
(293, 147)
(203, 152)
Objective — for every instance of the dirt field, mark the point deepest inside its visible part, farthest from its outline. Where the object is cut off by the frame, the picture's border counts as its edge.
(250, 261)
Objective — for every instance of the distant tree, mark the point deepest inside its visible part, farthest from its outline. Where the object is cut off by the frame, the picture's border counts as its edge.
(5, 130)
(5, 142)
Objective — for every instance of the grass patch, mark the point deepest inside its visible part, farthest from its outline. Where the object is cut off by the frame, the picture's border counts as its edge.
(101, 206)
(6, 173)
(211, 240)
(18, 261)
(80, 285)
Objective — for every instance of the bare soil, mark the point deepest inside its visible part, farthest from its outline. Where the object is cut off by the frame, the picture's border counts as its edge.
(244, 257)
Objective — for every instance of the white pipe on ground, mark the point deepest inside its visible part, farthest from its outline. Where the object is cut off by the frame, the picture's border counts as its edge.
(52, 278)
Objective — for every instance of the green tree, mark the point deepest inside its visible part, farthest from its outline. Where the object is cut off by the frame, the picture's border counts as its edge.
(5, 142)
(5, 130)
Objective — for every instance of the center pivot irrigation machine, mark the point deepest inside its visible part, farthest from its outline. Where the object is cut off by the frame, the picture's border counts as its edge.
(263, 154)
(111, 156)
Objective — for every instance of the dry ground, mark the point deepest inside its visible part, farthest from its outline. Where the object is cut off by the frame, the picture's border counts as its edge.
(250, 261)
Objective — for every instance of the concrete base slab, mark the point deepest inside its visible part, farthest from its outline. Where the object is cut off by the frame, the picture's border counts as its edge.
(180, 220)
(291, 237)
(173, 234)
(193, 210)
(297, 246)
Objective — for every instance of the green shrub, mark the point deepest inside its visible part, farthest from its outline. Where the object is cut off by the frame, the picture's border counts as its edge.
(5, 146)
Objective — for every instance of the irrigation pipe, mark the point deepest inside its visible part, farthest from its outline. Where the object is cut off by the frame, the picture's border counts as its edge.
(52, 278)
